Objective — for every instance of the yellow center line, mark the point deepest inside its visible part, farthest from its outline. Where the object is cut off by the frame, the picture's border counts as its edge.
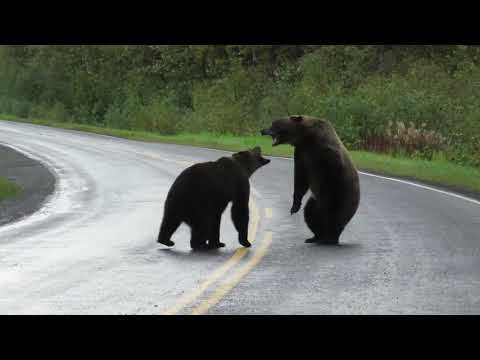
(268, 213)
(217, 274)
(189, 298)
(231, 282)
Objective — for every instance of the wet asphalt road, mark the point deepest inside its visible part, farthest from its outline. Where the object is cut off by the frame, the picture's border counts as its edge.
(91, 249)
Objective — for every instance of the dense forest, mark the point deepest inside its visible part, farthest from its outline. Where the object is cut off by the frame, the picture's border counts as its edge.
(409, 100)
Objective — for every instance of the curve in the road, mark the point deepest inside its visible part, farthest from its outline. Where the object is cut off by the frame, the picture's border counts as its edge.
(401, 181)
(51, 214)
(92, 249)
(35, 179)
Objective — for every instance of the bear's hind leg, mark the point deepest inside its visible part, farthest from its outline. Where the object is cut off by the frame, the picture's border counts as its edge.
(198, 240)
(316, 218)
(335, 230)
(214, 238)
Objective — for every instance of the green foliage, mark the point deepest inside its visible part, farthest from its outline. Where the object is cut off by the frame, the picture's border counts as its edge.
(8, 189)
(437, 170)
(228, 105)
(237, 89)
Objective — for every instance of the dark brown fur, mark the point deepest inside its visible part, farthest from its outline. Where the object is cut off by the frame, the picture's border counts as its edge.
(201, 193)
(323, 165)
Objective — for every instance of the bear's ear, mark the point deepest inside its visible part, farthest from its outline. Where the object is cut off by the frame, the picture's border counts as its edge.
(296, 118)
(257, 151)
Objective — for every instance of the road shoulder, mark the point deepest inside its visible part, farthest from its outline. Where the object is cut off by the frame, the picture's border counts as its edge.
(36, 181)
(475, 195)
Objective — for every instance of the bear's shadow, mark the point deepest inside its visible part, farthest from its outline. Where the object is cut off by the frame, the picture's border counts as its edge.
(341, 246)
(333, 250)
(197, 255)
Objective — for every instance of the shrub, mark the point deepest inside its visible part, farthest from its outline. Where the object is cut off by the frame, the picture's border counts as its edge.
(398, 139)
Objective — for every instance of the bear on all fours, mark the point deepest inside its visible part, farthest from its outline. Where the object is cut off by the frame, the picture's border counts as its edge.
(323, 165)
(201, 193)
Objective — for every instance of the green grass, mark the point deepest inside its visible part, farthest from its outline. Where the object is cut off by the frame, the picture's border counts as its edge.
(7, 189)
(436, 172)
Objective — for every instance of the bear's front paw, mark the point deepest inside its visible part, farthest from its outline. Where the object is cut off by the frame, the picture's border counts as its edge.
(168, 243)
(246, 244)
(295, 208)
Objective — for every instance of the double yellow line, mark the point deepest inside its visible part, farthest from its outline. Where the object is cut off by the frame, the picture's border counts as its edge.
(230, 282)
(233, 280)
(227, 285)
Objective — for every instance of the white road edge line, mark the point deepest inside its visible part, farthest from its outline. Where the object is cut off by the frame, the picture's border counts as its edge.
(423, 187)
(389, 179)
(473, 201)
(59, 194)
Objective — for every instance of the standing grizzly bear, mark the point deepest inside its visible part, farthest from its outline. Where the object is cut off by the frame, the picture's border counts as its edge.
(201, 193)
(323, 165)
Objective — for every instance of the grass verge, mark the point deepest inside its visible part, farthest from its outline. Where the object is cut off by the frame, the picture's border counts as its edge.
(438, 172)
(8, 189)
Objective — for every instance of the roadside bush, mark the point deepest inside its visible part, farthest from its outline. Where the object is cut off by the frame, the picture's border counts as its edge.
(365, 91)
(400, 139)
(160, 117)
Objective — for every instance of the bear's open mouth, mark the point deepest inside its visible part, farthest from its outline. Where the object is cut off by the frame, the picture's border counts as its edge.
(276, 139)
